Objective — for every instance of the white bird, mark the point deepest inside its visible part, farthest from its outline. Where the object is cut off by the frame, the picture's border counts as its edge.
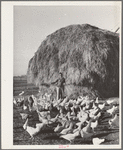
(70, 137)
(64, 101)
(81, 114)
(97, 141)
(88, 127)
(79, 124)
(44, 114)
(86, 135)
(94, 118)
(35, 99)
(24, 107)
(93, 113)
(114, 121)
(53, 120)
(109, 101)
(97, 100)
(24, 116)
(32, 131)
(94, 125)
(83, 103)
(14, 101)
(112, 110)
(94, 106)
(21, 93)
(112, 101)
(69, 115)
(102, 106)
(43, 120)
(59, 128)
(79, 100)
(65, 131)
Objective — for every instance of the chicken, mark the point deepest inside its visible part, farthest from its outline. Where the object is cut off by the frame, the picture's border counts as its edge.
(112, 110)
(65, 131)
(32, 131)
(97, 101)
(70, 137)
(24, 107)
(59, 128)
(93, 113)
(21, 93)
(15, 102)
(94, 125)
(24, 116)
(64, 101)
(86, 135)
(94, 106)
(97, 141)
(43, 120)
(53, 120)
(94, 118)
(114, 121)
(112, 101)
(79, 100)
(102, 106)
(82, 116)
(88, 127)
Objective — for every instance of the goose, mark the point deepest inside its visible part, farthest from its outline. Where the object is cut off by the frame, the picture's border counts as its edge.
(14, 101)
(43, 120)
(112, 110)
(88, 127)
(114, 121)
(70, 137)
(102, 106)
(19, 100)
(93, 113)
(32, 131)
(64, 101)
(48, 96)
(83, 103)
(73, 112)
(79, 100)
(94, 118)
(112, 101)
(97, 101)
(65, 131)
(53, 120)
(97, 141)
(59, 128)
(86, 135)
(35, 99)
(82, 116)
(21, 93)
(24, 116)
(69, 115)
(24, 107)
(44, 113)
(94, 125)
(79, 124)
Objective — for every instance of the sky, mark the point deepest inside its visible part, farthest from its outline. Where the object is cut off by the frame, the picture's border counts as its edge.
(33, 23)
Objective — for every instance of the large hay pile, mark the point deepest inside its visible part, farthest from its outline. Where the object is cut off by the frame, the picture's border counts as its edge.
(87, 56)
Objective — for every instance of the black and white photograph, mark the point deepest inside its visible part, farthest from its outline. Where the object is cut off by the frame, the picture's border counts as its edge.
(61, 74)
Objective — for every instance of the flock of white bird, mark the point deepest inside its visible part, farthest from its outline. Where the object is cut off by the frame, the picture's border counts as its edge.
(79, 117)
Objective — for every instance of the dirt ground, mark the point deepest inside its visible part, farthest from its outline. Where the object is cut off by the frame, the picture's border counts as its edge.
(47, 136)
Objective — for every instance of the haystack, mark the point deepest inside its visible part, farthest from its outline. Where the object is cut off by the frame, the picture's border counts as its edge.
(87, 56)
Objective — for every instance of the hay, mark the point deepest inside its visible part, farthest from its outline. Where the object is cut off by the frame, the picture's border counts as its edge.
(87, 56)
